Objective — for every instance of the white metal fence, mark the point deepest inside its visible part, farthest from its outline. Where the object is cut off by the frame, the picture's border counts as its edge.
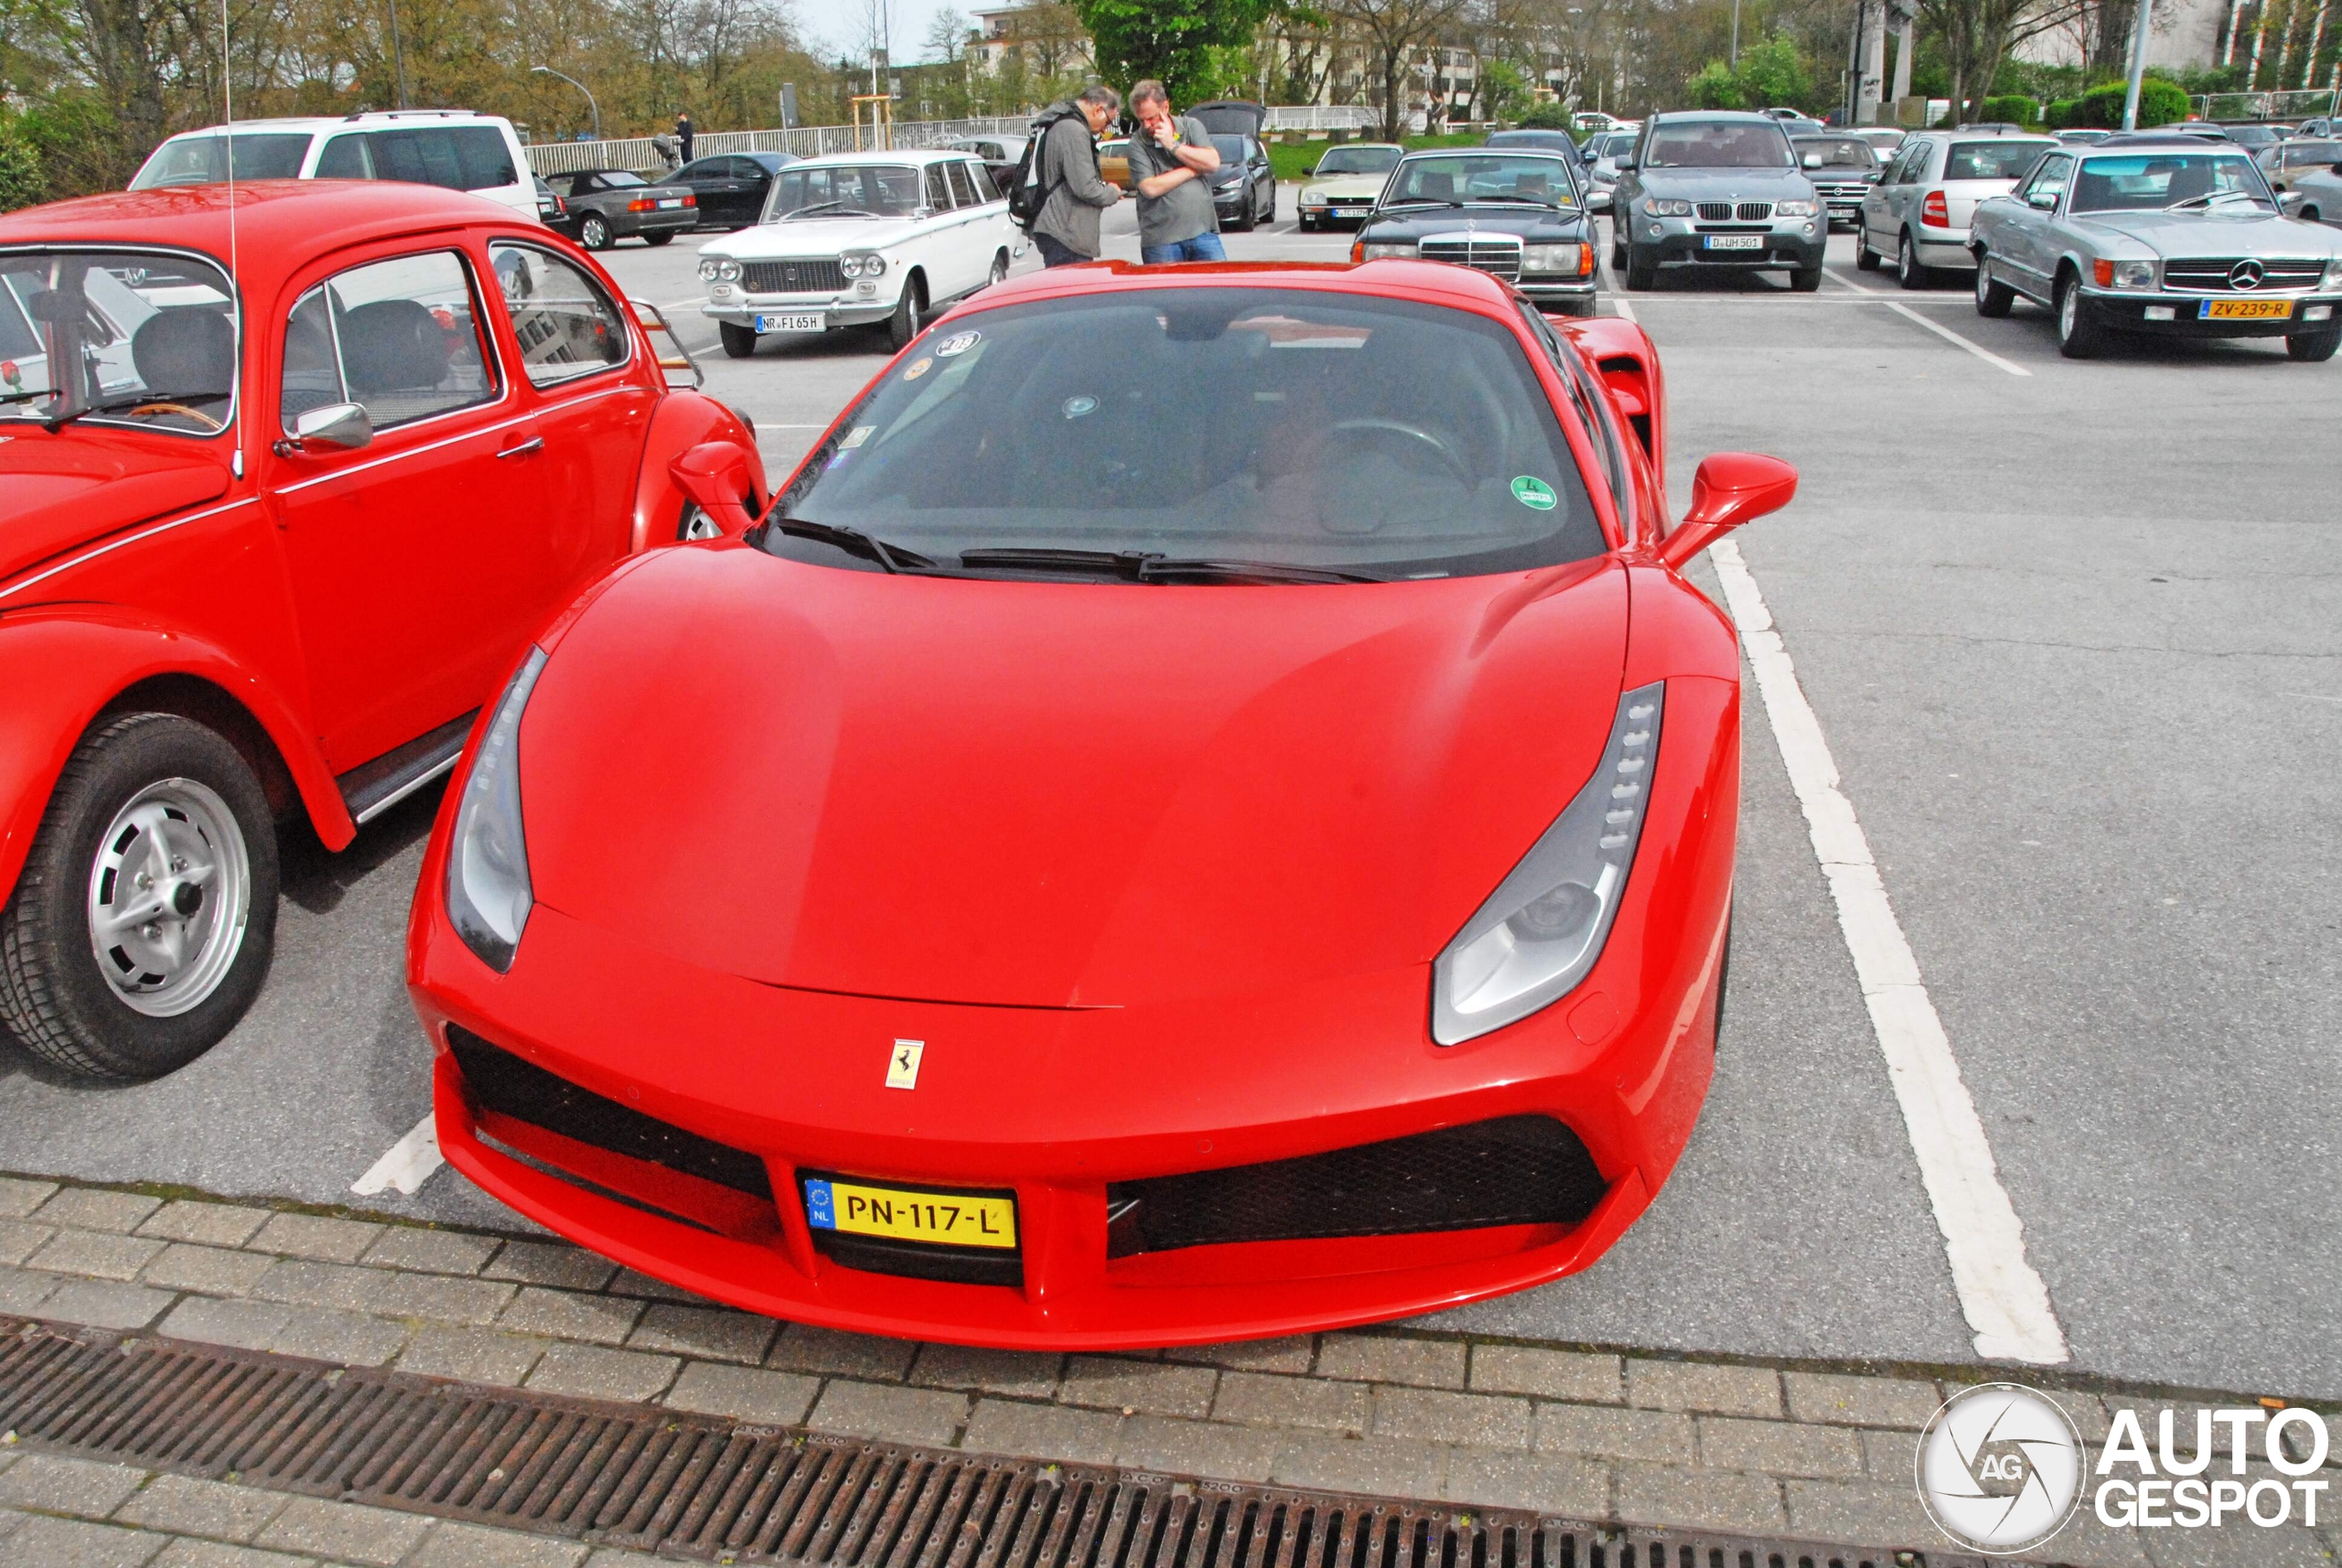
(1322, 117)
(644, 154)
(2296, 105)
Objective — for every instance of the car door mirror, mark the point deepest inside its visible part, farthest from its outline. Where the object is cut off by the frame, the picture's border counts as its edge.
(1730, 489)
(337, 426)
(1599, 202)
(714, 476)
(1813, 160)
(2291, 203)
(2041, 200)
(1309, 172)
(1623, 163)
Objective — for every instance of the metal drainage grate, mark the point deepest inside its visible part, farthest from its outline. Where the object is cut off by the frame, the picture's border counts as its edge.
(699, 1488)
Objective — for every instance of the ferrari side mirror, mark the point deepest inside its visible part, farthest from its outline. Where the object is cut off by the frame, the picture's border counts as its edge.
(714, 476)
(1730, 489)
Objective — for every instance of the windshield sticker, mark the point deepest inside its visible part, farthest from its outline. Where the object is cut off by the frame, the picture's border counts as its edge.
(838, 461)
(1075, 407)
(917, 367)
(857, 436)
(957, 344)
(1533, 493)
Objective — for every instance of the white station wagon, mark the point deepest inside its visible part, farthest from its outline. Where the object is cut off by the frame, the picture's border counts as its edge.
(851, 239)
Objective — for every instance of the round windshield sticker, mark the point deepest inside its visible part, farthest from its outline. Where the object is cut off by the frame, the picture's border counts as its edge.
(1075, 407)
(1534, 493)
(917, 368)
(957, 344)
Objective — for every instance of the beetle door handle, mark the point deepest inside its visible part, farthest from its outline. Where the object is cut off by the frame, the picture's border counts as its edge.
(533, 443)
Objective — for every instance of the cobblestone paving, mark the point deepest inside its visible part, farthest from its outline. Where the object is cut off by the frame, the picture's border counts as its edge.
(1591, 1435)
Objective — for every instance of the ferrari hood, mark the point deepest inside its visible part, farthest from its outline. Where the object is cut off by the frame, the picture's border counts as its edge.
(85, 482)
(1055, 795)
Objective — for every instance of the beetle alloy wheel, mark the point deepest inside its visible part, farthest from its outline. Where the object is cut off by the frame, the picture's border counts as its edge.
(170, 891)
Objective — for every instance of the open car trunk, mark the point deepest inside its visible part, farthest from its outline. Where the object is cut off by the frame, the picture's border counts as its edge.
(1232, 117)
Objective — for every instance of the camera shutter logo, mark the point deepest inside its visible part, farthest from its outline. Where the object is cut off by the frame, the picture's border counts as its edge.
(2000, 1467)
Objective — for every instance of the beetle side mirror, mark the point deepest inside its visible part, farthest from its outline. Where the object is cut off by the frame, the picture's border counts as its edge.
(337, 426)
(714, 476)
(1730, 489)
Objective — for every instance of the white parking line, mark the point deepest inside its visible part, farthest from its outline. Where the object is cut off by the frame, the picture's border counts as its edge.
(2004, 1301)
(1626, 312)
(410, 1162)
(1946, 333)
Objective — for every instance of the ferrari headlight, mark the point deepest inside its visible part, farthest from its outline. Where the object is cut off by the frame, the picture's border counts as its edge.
(2134, 275)
(1542, 929)
(1796, 206)
(1671, 207)
(488, 862)
(1384, 252)
(1566, 260)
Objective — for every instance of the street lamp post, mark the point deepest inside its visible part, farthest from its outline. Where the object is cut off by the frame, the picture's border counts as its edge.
(1733, 59)
(2138, 68)
(597, 108)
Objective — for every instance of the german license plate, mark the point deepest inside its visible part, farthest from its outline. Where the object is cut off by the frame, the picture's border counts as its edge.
(1735, 242)
(911, 1214)
(2244, 310)
(790, 324)
(1349, 211)
(670, 202)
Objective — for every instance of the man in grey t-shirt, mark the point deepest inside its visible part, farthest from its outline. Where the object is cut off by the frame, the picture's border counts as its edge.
(1170, 156)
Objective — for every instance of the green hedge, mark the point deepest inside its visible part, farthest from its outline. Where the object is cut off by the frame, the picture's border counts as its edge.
(2014, 107)
(2161, 103)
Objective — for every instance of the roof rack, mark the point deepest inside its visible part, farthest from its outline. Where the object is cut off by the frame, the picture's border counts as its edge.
(414, 113)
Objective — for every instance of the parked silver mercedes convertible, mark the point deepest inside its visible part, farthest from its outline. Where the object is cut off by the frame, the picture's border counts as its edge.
(2168, 235)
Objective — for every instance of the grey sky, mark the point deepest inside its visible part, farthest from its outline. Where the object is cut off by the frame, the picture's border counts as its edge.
(844, 25)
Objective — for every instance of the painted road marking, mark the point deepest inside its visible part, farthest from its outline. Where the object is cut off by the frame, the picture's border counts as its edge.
(1946, 333)
(410, 1162)
(2004, 1301)
(1626, 312)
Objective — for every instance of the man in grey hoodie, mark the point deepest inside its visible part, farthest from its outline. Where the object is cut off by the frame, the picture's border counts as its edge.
(1067, 229)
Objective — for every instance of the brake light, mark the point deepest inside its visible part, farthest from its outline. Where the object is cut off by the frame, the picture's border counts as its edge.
(690, 199)
(639, 205)
(1358, 251)
(2104, 272)
(1935, 212)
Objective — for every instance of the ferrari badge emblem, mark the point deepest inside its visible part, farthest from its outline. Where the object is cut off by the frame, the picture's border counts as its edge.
(902, 1066)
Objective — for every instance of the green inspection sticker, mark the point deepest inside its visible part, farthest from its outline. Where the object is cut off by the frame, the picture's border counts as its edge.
(1534, 493)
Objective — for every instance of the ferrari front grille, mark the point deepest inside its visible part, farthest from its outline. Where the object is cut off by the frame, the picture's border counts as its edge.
(817, 275)
(499, 1081)
(2229, 275)
(1496, 253)
(1514, 1170)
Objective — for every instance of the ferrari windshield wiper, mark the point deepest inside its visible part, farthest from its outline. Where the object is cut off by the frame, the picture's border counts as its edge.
(57, 422)
(853, 541)
(1153, 566)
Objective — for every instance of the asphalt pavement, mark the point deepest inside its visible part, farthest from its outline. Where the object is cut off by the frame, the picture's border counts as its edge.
(2066, 633)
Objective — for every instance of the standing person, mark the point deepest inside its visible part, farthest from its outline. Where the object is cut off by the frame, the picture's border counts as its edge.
(1066, 229)
(1169, 157)
(683, 133)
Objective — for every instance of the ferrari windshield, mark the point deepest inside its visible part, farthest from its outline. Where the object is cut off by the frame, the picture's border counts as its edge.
(1538, 177)
(2150, 181)
(135, 337)
(1718, 143)
(844, 190)
(1302, 428)
(1357, 160)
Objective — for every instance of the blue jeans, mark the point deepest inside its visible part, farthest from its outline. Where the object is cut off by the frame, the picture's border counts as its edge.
(1055, 252)
(1202, 248)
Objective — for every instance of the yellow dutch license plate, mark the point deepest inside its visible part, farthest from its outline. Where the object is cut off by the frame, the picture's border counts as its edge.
(911, 1214)
(2245, 310)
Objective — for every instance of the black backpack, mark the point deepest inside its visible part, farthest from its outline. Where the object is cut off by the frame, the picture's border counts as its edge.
(1026, 193)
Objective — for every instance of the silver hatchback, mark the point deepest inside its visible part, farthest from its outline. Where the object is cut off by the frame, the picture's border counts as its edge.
(1916, 215)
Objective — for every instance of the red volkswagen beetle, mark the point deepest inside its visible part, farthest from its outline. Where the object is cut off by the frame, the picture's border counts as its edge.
(282, 499)
(1204, 809)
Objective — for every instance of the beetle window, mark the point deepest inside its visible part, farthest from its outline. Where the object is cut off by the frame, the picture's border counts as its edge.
(566, 325)
(400, 338)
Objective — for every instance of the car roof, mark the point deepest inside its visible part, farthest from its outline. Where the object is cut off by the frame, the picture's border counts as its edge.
(281, 224)
(2174, 140)
(1702, 116)
(888, 155)
(1382, 147)
(1523, 150)
(1436, 283)
(374, 117)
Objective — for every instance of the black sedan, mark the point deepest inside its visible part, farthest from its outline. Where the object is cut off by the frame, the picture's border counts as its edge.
(605, 205)
(1560, 142)
(1243, 187)
(1519, 214)
(731, 186)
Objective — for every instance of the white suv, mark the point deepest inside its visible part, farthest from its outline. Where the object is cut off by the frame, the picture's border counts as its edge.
(454, 149)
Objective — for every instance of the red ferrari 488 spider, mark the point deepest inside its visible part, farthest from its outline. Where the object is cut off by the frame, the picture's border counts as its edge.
(1204, 809)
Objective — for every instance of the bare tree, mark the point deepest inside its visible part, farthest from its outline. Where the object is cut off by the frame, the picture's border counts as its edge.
(1392, 33)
